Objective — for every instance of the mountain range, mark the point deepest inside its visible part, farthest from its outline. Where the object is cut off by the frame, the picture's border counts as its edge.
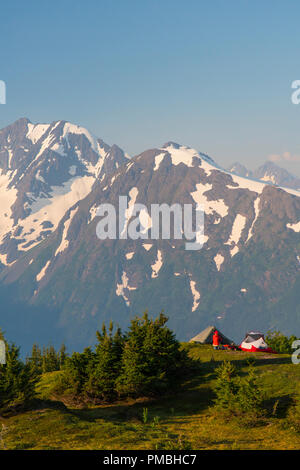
(59, 282)
(269, 172)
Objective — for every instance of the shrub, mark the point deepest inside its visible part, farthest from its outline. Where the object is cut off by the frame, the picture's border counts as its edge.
(250, 395)
(279, 342)
(236, 394)
(226, 387)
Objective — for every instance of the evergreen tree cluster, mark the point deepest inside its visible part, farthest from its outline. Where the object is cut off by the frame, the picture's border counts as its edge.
(144, 361)
(46, 359)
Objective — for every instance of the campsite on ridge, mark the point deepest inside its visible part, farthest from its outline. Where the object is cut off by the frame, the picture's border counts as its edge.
(128, 393)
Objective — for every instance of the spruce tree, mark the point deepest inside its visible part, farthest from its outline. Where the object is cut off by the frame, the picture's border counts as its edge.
(151, 360)
(107, 363)
(77, 371)
(35, 360)
(17, 380)
(62, 355)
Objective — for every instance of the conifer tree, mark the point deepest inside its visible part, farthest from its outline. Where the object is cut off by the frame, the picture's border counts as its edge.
(151, 358)
(35, 360)
(52, 359)
(77, 371)
(106, 367)
(17, 380)
(62, 356)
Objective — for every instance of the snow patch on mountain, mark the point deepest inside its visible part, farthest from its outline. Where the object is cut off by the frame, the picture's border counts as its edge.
(39, 177)
(188, 156)
(210, 207)
(256, 211)
(129, 211)
(182, 154)
(93, 213)
(237, 228)
(234, 251)
(147, 246)
(157, 265)
(270, 178)
(10, 157)
(295, 227)
(52, 209)
(195, 294)
(59, 148)
(158, 159)
(247, 183)
(8, 196)
(219, 259)
(70, 128)
(120, 290)
(47, 143)
(42, 273)
(145, 221)
(36, 131)
(294, 192)
(3, 260)
(64, 241)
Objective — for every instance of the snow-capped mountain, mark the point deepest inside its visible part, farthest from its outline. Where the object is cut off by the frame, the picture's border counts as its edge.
(274, 174)
(44, 170)
(268, 172)
(247, 275)
(240, 170)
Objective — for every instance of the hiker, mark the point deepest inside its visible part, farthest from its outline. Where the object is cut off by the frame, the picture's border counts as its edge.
(216, 340)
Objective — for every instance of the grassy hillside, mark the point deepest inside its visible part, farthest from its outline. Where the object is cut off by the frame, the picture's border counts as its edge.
(184, 420)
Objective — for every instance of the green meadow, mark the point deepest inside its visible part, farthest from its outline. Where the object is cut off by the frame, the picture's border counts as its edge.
(183, 419)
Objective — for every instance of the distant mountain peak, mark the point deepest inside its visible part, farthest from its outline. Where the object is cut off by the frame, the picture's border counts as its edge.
(268, 172)
(239, 169)
(171, 144)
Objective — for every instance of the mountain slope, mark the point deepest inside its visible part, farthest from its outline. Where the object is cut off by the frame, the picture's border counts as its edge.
(44, 170)
(245, 276)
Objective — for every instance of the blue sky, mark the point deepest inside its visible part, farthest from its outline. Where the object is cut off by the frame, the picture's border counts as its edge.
(213, 75)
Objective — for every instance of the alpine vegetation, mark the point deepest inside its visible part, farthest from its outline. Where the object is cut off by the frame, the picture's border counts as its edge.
(145, 361)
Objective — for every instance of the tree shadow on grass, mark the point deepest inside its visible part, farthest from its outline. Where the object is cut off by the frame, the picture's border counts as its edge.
(278, 406)
(33, 405)
(179, 405)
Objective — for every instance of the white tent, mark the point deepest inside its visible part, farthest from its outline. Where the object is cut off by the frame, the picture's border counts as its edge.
(254, 341)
